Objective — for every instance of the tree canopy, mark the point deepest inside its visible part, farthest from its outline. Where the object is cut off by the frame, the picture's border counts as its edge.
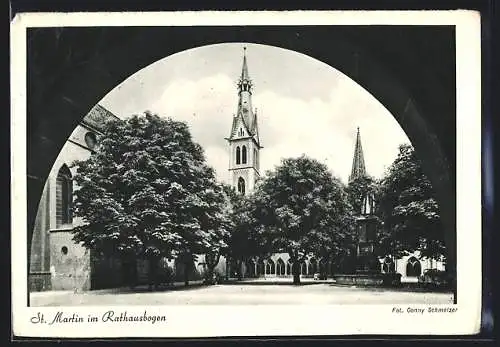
(147, 191)
(302, 209)
(408, 209)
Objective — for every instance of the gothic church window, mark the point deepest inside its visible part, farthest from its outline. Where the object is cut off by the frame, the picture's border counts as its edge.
(413, 267)
(244, 155)
(64, 197)
(241, 185)
(238, 155)
(240, 133)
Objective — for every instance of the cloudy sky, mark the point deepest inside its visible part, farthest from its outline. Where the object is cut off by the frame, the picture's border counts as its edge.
(303, 105)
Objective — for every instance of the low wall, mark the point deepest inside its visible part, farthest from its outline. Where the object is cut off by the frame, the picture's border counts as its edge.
(374, 279)
(39, 281)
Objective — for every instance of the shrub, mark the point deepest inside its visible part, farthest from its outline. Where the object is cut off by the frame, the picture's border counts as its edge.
(392, 279)
(434, 278)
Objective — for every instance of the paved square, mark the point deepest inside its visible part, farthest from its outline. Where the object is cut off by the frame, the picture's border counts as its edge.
(244, 294)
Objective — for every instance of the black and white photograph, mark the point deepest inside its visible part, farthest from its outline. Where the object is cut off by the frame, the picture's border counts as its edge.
(262, 172)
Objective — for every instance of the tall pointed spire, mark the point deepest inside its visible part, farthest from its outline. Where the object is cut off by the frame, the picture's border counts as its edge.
(245, 83)
(244, 69)
(358, 162)
(245, 94)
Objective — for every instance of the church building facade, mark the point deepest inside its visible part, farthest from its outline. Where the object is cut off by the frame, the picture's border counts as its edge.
(56, 261)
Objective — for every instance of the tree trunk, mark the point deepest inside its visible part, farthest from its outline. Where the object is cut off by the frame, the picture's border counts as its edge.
(211, 264)
(240, 274)
(128, 271)
(186, 273)
(153, 272)
(296, 271)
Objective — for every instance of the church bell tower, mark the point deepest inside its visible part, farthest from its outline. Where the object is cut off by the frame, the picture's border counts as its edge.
(244, 143)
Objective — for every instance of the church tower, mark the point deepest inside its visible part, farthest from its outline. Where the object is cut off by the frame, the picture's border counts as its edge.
(358, 162)
(244, 144)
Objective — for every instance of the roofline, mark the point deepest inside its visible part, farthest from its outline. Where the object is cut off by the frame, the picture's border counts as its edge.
(245, 138)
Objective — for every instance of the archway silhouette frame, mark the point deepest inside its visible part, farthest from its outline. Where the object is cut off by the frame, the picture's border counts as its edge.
(408, 69)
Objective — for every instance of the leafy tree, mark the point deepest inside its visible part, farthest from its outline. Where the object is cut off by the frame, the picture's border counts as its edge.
(246, 239)
(147, 192)
(226, 223)
(408, 209)
(303, 209)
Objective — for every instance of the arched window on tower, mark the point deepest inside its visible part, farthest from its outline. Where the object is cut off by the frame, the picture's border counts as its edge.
(255, 159)
(238, 155)
(241, 186)
(244, 155)
(64, 196)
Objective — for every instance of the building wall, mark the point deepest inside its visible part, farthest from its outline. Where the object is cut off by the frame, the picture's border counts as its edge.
(425, 264)
(50, 268)
(70, 263)
(247, 171)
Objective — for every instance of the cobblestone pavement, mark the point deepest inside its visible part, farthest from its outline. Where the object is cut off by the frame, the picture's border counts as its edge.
(243, 294)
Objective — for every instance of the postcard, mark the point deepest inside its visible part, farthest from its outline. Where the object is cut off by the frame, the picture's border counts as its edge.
(201, 174)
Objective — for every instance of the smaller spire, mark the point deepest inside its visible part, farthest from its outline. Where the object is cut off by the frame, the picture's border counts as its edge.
(358, 162)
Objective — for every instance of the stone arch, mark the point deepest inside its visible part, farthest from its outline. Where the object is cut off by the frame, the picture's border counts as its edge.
(280, 267)
(388, 266)
(420, 93)
(303, 268)
(312, 267)
(413, 267)
(270, 267)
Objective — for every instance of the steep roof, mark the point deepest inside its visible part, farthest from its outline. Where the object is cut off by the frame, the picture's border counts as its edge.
(97, 117)
(358, 162)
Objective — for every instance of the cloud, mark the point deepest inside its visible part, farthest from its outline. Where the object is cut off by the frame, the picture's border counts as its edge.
(322, 129)
(316, 114)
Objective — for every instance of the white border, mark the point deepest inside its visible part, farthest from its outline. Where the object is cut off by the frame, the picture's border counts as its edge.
(198, 321)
